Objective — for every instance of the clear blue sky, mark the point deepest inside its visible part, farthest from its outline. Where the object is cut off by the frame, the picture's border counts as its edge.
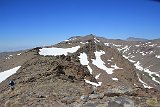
(30, 23)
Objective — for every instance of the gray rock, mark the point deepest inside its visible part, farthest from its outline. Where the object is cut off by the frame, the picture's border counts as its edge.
(121, 102)
(96, 96)
(119, 89)
(84, 98)
(67, 100)
(89, 105)
(93, 96)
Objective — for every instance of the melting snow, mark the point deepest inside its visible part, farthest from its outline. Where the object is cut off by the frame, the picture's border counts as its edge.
(90, 69)
(109, 60)
(93, 83)
(129, 59)
(66, 40)
(157, 56)
(153, 45)
(143, 53)
(82, 43)
(100, 64)
(97, 76)
(138, 66)
(115, 79)
(125, 56)
(8, 58)
(58, 51)
(96, 40)
(107, 44)
(144, 84)
(4, 75)
(137, 45)
(116, 45)
(116, 67)
(84, 61)
(19, 54)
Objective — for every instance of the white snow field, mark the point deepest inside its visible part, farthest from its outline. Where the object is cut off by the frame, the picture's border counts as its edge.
(100, 64)
(4, 75)
(84, 61)
(58, 51)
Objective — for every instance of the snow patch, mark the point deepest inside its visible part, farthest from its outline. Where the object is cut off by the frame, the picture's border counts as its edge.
(93, 83)
(115, 79)
(143, 53)
(137, 45)
(131, 61)
(90, 69)
(107, 44)
(157, 56)
(83, 59)
(82, 43)
(4, 75)
(109, 60)
(139, 67)
(116, 67)
(10, 55)
(96, 40)
(125, 56)
(144, 84)
(100, 64)
(58, 51)
(153, 45)
(66, 40)
(19, 54)
(116, 45)
(97, 76)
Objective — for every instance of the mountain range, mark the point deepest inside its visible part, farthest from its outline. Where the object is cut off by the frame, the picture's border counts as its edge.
(83, 71)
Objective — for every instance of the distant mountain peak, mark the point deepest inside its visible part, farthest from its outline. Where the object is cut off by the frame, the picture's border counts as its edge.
(136, 39)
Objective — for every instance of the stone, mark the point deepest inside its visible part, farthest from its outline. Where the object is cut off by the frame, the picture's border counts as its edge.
(84, 98)
(121, 102)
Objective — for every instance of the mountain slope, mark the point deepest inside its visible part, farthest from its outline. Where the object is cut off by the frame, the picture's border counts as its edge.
(84, 71)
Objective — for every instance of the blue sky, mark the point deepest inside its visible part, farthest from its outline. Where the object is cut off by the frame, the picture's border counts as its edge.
(31, 23)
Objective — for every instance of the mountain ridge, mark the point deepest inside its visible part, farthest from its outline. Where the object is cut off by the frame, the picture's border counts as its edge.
(83, 71)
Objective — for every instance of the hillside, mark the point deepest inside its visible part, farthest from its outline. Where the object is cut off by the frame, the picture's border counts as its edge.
(84, 71)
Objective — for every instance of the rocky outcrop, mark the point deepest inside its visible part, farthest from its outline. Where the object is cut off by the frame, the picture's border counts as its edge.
(44, 78)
